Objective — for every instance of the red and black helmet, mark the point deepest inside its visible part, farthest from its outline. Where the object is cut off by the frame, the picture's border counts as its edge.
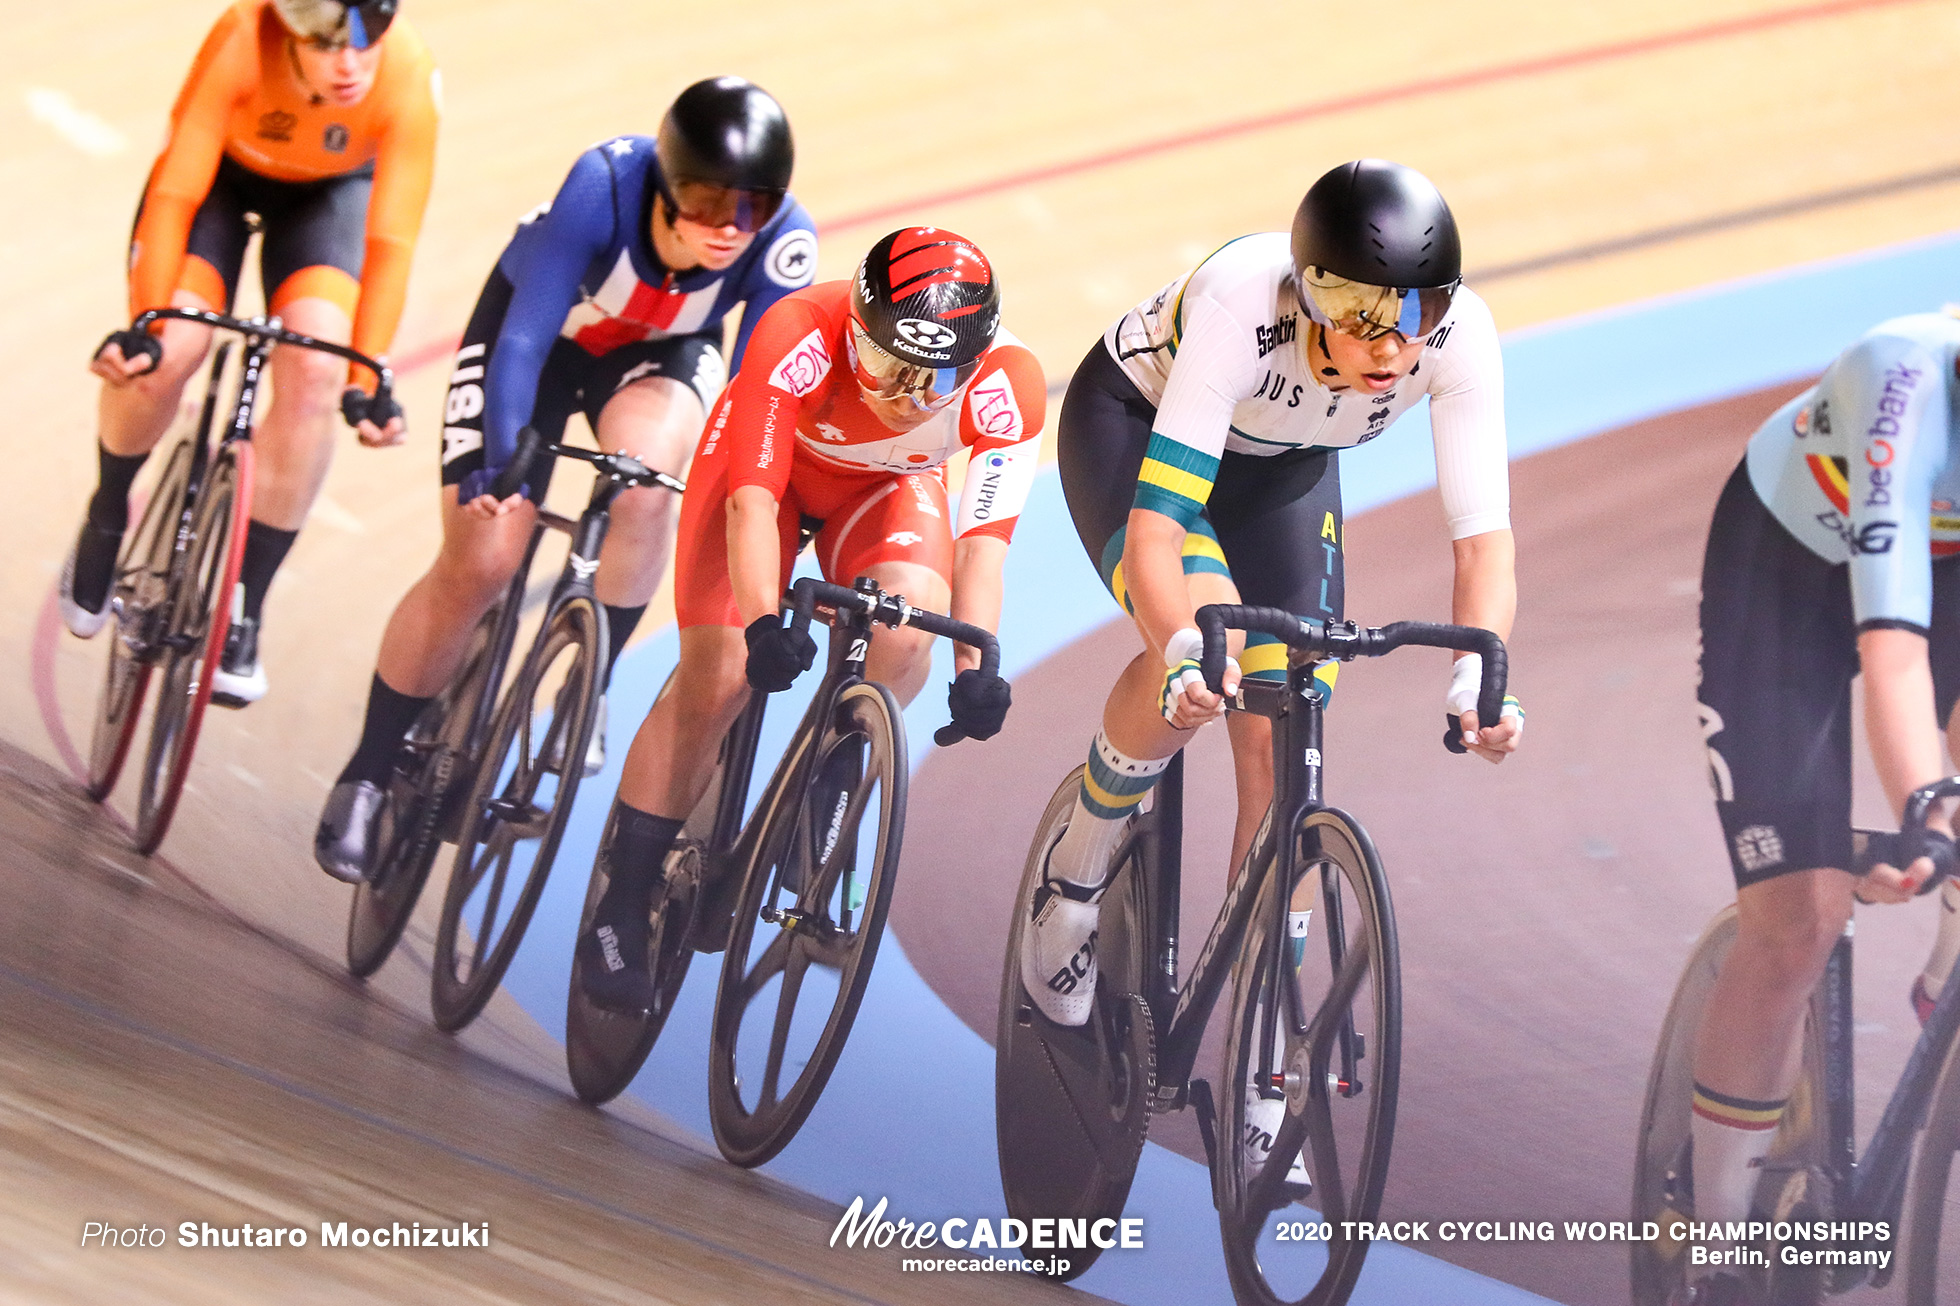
(928, 298)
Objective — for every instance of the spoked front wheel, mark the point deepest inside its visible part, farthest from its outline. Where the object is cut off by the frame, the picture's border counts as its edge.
(138, 598)
(1663, 1169)
(1933, 1206)
(1072, 1105)
(517, 810)
(419, 789)
(199, 609)
(1312, 1061)
(807, 925)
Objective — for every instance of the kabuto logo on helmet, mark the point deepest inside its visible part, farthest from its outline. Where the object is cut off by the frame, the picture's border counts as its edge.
(925, 334)
(928, 297)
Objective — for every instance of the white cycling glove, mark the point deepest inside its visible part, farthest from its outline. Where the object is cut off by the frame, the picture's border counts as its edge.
(1183, 673)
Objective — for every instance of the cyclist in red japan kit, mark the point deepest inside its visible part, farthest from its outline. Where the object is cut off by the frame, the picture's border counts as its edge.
(852, 398)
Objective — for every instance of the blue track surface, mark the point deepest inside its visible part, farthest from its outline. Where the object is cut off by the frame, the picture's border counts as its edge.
(909, 1112)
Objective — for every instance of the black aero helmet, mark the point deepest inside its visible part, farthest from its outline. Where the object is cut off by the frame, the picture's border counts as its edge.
(1375, 250)
(725, 154)
(924, 308)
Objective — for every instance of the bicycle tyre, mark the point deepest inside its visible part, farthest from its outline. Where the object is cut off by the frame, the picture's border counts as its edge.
(1072, 1106)
(503, 810)
(1932, 1192)
(1348, 1141)
(1663, 1176)
(200, 618)
(604, 1050)
(865, 742)
(419, 790)
(139, 612)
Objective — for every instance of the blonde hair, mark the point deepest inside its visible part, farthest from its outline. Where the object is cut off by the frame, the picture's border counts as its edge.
(321, 20)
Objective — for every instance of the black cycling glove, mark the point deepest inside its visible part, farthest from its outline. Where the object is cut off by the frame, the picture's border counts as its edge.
(978, 703)
(357, 406)
(778, 654)
(1902, 849)
(133, 344)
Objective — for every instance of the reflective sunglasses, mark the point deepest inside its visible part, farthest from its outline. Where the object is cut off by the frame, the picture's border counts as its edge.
(1355, 308)
(710, 205)
(886, 376)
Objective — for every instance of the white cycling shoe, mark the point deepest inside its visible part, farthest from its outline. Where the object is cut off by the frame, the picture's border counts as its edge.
(1263, 1117)
(1058, 950)
(81, 622)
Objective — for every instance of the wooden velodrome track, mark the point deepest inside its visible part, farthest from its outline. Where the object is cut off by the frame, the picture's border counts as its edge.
(176, 1045)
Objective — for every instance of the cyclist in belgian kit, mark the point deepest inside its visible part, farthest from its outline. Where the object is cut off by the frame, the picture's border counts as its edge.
(1833, 552)
(609, 302)
(1197, 447)
(855, 396)
(320, 117)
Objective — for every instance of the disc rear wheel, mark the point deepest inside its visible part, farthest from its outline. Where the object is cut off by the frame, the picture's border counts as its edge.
(1072, 1105)
(1663, 1173)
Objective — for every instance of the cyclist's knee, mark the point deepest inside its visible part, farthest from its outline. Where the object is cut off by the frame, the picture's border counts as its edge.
(712, 677)
(469, 573)
(308, 382)
(900, 660)
(643, 510)
(1789, 934)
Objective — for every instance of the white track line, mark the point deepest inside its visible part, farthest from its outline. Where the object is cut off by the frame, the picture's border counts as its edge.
(91, 135)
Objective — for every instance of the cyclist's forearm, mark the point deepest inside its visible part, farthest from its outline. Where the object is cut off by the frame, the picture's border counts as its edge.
(1153, 577)
(1899, 711)
(754, 547)
(1486, 590)
(977, 564)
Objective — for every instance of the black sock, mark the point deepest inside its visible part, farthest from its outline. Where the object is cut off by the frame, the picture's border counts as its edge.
(619, 628)
(108, 510)
(390, 713)
(265, 548)
(636, 857)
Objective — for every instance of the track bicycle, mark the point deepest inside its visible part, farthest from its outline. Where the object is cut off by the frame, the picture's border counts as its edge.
(1813, 1172)
(171, 595)
(1307, 934)
(795, 898)
(495, 768)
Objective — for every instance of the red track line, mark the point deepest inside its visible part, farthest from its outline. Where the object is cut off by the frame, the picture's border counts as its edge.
(1370, 99)
(47, 631)
(423, 355)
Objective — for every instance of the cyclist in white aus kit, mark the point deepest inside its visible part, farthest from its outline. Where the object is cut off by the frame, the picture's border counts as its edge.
(1197, 447)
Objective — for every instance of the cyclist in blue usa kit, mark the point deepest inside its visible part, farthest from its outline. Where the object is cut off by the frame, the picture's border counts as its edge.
(1835, 550)
(608, 301)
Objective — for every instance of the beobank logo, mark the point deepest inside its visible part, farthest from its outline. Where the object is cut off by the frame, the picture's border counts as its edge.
(870, 1229)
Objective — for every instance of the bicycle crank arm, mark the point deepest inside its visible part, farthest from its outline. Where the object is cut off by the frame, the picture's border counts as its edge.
(524, 820)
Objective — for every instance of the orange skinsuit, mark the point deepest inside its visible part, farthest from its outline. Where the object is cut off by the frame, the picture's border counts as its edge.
(243, 98)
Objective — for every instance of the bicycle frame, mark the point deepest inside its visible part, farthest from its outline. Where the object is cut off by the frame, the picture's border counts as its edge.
(587, 533)
(1875, 1184)
(1296, 710)
(732, 844)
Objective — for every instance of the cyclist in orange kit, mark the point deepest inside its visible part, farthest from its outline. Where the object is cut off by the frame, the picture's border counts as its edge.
(320, 117)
